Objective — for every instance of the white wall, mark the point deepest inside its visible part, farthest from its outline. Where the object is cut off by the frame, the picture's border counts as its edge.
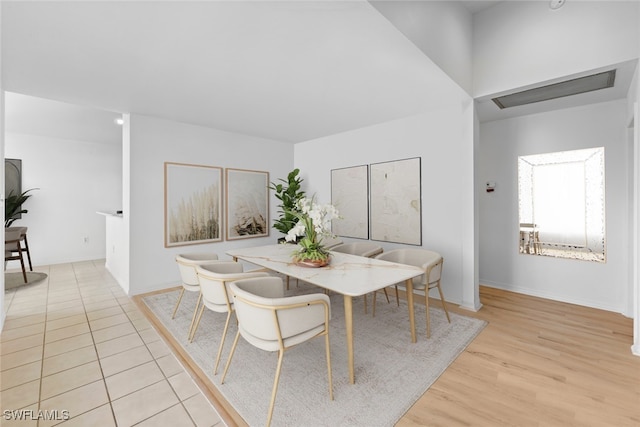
(600, 285)
(75, 179)
(444, 141)
(155, 141)
(634, 193)
(519, 43)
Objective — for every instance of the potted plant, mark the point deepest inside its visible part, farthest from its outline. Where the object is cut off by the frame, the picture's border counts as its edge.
(289, 192)
(13, 206)
(314, 223)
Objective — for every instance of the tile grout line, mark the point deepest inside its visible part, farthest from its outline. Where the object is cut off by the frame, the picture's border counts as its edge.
(88, 290)
(44, 343)
(155, 359)
(95, 347)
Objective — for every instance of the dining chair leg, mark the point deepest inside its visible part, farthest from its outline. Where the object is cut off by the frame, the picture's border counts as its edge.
(178, 303)
(275, 387)
(365, 303)
(195, 312)
(233, 350)
(373, 309)
(444, 304)
(397, 296)
(192, 333)
(327, 346)
(224, 335)
(426, 304)
(24, 270)
(26, 249)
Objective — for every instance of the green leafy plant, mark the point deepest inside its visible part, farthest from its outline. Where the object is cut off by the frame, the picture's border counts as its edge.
(13, 206)
(288, 192)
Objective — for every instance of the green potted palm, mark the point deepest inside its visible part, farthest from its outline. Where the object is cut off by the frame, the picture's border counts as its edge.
(289, 191)
(13, 206)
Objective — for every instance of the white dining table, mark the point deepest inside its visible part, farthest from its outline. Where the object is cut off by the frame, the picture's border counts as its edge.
(349, 275)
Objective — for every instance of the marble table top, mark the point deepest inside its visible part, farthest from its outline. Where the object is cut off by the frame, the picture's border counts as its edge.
(346, 274)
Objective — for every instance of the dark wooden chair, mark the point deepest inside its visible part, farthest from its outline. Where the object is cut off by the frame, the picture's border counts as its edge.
(13, 248)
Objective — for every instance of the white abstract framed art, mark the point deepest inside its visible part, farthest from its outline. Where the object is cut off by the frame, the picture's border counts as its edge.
(396, 201)
(350, 195)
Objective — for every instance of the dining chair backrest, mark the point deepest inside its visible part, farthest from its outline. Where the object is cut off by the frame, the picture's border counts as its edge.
(187, 265)
(272, 322)
(422, 258)
(269, 320)
(365, 249)
(215, 278)
(11, 240)
(331, 242)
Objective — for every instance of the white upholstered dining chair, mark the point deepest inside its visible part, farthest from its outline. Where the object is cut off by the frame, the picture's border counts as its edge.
(428, 260)
(366, 249)
(214, 282)
(331, 242)
(187, 264)
(272, 322)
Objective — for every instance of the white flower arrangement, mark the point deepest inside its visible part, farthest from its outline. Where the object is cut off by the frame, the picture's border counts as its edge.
(314, 223)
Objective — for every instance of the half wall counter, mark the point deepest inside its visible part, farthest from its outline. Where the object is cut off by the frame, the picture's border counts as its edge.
(116, 250)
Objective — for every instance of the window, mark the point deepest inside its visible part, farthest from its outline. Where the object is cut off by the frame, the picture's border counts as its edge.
(561, 204)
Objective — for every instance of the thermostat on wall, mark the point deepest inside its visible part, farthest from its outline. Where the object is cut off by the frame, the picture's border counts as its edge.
(491, 186)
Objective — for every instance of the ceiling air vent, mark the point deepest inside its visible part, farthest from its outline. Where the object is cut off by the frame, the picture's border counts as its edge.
(558, 90)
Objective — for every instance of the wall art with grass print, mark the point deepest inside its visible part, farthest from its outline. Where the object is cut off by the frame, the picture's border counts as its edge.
(192, 203)
(247, 203)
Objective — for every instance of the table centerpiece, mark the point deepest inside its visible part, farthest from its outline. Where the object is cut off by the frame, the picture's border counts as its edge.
(314, 223)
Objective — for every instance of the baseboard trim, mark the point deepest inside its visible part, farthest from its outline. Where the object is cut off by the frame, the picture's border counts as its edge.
(471, 307)
(551, 296)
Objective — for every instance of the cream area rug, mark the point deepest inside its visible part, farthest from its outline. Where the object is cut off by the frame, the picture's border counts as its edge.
(391, 372)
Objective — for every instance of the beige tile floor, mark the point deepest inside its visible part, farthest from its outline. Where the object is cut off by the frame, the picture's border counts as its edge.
(76, 345)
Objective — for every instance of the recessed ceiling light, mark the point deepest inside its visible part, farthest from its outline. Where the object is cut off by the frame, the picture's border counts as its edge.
(119, 121)
(556, 4)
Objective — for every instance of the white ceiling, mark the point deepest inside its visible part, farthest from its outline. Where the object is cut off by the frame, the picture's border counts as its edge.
(478, 5)
(38, 116)
(289, 71)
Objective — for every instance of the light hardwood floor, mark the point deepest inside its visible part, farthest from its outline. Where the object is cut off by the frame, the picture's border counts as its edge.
(538, 363)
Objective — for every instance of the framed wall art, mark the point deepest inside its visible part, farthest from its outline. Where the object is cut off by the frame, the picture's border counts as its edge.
(193, 204)
(247, 204)
(396, 202)
(12, 176)
(350, 195)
